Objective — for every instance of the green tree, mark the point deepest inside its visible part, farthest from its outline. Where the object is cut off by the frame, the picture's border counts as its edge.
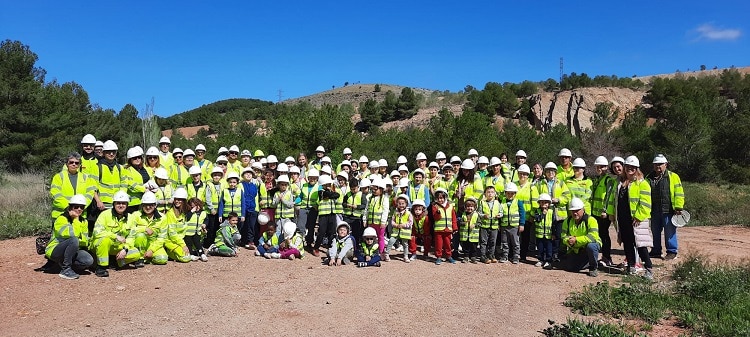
(371, 115)
(406, 107)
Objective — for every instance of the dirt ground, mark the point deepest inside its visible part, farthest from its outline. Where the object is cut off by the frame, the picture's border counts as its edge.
(248, 295)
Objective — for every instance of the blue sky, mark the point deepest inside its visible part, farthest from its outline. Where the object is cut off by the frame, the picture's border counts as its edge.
(189, 53)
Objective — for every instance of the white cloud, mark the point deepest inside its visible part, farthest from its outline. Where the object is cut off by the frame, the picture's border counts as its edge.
(709, 32)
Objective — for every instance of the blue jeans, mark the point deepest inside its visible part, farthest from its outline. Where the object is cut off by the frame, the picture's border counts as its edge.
(588, 255)
(262, 250)
(544, 249)
(663, 221)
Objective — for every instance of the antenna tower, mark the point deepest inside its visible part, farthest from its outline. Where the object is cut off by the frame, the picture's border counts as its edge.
(561, 70)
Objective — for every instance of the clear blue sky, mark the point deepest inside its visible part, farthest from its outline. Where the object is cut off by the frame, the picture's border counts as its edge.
(189, 53)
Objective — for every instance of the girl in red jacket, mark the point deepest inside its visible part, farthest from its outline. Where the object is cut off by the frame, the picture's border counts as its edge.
(421, 229)
(442, 216)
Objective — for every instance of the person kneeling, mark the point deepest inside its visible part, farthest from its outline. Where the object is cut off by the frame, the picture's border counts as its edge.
(580, 233)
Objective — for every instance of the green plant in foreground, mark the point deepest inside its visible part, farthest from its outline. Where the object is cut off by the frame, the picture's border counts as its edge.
(577, 327)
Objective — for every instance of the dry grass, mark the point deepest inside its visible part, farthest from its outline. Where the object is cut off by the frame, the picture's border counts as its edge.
(24, 204)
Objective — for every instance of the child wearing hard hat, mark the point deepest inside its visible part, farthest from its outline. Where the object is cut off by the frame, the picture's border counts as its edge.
(269, 242)
(468, 231)
(342, 248)
(249, 228)
(293, 246)
(401, 222)
(368, 254)
(232, 198)
(444, 222)
(196, 229)
(421, 230)
(354, 205)
(512, 222)
(378, 207)
(163, 190)
(327, 218)
(227, 237)
(490, 212)
(543, 220)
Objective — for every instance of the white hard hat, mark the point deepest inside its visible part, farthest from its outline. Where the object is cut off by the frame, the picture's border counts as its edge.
(344, 175)
(134, 152)
(550, 166)
(524, 168)
(325, 180)
(511, 187)
(564, 153)
(395, 173)
(483, 160)
(88, 139)
(282, 179)
(455, 159)
(403, 168)
(473, 152)
(374, 164)
(632, 161)
(98, 143)
(247, 169)
(161, 173)
(382, 163)
(382, 183)
(575, 204)
(401, 160)
(325, 159)
(420, 171)
(263, 161)
(440, 155)
(320, 148)
(200, 147)
(326, 169)
(433, 164)
(246, 153)
(472, 199)
(263, 218)
(418, 202)
(121, 196)
(109, 146)
(347, 151)
(222, 158)
(233, 175)
(363, 159)
(421, 156)
(364, 183)
(441, 190)
(579, 162)
(223, 150)
(148, 198)
(467, 164)
(521, 153)
(176, 151)
(313, 173)
(660, 159)
(346, 163)
(195, 170)
(289, 229)
(282, 167)
(545, 197)
(369, 232)
(494, 161)
(289, 159)
(78, 199)
(271, 159)
(217, 170)
(188, 153)
(342, 223)
(294, 169)
(152, 151)
(403, 182)
(164, 140)
(257, 165)
(617, 159)
(447, 166)
(403, 196)
(180, 193)
(601, 161)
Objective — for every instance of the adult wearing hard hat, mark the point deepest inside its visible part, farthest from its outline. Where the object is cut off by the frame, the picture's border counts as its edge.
(520, 160)
(632, 212)
(70, 237)
(214, 189)
(99, 149)
(148, 232)
(110, 235)
(69, 182)
(468, 185)
(579, 184)
(560, 194)
(176, 223)
(580, 234)
(528, 194)
(136, 177)
(565, 168)
(165, 157)
(111, 177)
(88, 157)
(153, 160)
(496, 178)
(668, 198)
(347, 157)
(200, 159)
(603, 191)
(316, 163)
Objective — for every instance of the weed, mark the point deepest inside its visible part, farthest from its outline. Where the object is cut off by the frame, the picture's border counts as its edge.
(576, 327)
(712, 205)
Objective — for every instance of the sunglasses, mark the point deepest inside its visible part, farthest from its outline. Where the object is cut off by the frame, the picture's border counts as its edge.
(177, 157)
(369, 239)
(233, 152)
(148, 205)
(70, 162)
(75, 207)
(109, 152)
(116, 203)
(222, 164)
(630, 168)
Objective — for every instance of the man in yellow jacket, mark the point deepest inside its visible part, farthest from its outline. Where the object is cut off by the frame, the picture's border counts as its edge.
(110, 235)
(668, 199)
(580, 234)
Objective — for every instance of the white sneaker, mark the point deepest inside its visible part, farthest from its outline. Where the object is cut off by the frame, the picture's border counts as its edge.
(193, 258)
(413, 257)
(538, 264)
(406, 259)
(400, 249)
(204, 258)
(257, 253)
(275, 255)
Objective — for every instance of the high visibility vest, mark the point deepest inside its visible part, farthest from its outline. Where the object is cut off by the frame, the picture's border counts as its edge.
(369, 251)
(139, 222)
(165, 159)
(506, 170)
(134, 182)
(194, 222)
(401, 219)
(338, 206)
(581, 189)
(563, 174)
(511, 214)
(543, 228)
(206, 167)
(61, 189)
(585, 232)
(639, 196)
(375, 210)
(110, 182)
(529, 195)
(265, 198)
(234, 167)
(213, 194)
(446, 218)
(309, 196)
(176, 227)
(326, 206)
(676, 192)
(603, 190)
(270, 239)
(418, 228)
(163, 194)
(496, 181)
(356, 200)
(232, 202)
(283, 211)
(178, 176)
(89, 166)
(108, 226)
(560, 191)
(465, 232)
(490, 209)
(198, 191)
(418, 192)
(64, 229)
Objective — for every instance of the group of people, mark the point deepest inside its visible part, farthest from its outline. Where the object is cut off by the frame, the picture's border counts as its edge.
(177, 205)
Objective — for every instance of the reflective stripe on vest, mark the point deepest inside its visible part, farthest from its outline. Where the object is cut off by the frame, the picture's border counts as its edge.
(511, 214)
(282, 211)
(232, 202)
(490, 209)
(375, 210)
(446, 218)
(543, 230)
(401, 219)
(465, 232)
(326, 206)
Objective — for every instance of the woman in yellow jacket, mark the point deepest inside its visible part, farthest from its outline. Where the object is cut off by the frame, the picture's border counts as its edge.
(632, 207)
(70, 238)
(176, 224)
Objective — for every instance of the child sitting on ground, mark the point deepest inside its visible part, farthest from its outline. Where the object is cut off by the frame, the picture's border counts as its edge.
(342, 249)
(269, 242)
(227, 237)
(368, 255)
(293, 245)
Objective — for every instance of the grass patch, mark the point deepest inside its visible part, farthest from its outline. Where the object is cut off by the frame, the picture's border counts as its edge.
(717, 205)
(710, 299)
(25, 205)
(575, 327)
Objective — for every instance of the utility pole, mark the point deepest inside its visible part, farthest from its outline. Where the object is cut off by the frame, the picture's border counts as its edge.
(280, 95)
(561, 70)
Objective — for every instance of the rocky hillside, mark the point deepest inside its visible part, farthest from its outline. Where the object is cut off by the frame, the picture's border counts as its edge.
(354, 94)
